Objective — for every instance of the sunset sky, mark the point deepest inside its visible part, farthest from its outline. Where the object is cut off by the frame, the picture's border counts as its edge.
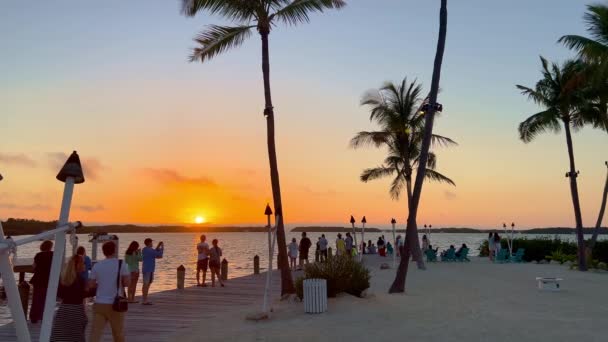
(164, 141)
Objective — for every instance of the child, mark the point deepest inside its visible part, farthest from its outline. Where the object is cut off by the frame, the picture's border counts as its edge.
(293, 253)
(215, 254)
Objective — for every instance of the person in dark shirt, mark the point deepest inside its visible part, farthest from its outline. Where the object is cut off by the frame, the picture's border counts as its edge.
(40, 280)
(304, 247)
(70, 319)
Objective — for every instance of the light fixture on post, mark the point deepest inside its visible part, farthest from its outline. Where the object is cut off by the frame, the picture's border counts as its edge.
(393, 223)
(70, 174)
(352, 222)
(427, 107)
(363, 222)
(271, 242)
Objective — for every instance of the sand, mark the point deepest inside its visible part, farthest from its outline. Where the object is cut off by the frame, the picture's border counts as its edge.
(476, 301)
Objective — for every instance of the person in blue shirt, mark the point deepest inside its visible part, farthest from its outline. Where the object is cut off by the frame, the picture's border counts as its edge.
(87, 263)
(149, 256)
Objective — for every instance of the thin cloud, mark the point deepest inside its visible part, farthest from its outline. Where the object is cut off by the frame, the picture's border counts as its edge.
(19, 159)
(33, 207)
(91, 167)
(168, 176)
(91, 208)
(449, 195)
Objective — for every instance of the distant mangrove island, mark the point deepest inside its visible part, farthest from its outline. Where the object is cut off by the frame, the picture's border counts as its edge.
(15, 226)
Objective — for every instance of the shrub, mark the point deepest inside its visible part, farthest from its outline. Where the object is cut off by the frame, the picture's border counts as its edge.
(343, 274)
(600, 251)
(561, 257)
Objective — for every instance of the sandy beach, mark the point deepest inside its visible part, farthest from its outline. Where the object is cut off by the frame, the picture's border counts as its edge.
(476, 301)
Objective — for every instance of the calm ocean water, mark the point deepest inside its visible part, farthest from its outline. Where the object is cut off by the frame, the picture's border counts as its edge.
(239, 249)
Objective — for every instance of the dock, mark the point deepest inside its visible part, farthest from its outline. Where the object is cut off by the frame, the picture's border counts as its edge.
(175, 310)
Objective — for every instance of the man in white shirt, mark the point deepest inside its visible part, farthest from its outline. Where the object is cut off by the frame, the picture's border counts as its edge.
(203, 260)
(323, 247)
(104, 276)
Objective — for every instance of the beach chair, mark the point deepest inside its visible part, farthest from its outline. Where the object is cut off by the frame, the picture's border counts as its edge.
(431, 255)
(518, 256)
(450, 255)
(463, 255)
(502, 257)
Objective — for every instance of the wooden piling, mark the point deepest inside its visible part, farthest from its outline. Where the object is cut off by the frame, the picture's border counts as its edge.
(224, 269)
(181, 277)
(256, 264)
(24, 293)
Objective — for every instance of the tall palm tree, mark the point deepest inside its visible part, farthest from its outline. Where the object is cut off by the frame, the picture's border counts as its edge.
(410, 233)
(260, 15)
(596, 47)
(396, 110)
(568, 101)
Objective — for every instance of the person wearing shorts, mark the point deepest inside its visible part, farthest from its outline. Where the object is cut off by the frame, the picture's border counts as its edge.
(149, 256)
(304, 247)
(202, 264)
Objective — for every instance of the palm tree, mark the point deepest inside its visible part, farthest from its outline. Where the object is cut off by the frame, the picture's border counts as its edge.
(568, 101)
(596, 47)
(260, 15)
(396, 109)
(410, 233)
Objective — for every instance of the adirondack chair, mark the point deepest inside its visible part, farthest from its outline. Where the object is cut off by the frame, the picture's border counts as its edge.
(449, 256)
(463, 255)
(502, 257)
(431, 255)
(518, 256)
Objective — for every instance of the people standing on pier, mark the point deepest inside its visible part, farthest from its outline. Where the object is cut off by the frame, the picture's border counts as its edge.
(340, 245)
(380, 244)
(88, 265)
(104, 277)
(304, 247)
(149, 256)
(323, 245)
(348, 244)
(293, 254)
(40, 280)
(425, 243)
(497, 245)
(70, 318)
(133, 258)
(202, 263)
(215, 254)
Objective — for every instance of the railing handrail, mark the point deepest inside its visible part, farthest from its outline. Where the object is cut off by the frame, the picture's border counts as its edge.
(40, 236)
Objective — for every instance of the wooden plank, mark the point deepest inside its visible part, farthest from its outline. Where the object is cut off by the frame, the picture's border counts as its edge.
(174, 310)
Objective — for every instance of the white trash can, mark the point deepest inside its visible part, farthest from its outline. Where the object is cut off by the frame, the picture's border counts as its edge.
(315, 295)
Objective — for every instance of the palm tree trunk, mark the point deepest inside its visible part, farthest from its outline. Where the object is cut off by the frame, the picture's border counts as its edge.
(412, 229)
(582, 260)
(287, 286)
(415, 249)
(600, 217)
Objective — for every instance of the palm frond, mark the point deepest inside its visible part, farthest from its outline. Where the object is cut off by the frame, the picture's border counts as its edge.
(532, 94)
(440, 140)
(298, 10)
(587, 48)
(236, 10)
(438, 177)
(218, 39)
(364, 138)
(545, 121)
(397, 186)
(376, 173)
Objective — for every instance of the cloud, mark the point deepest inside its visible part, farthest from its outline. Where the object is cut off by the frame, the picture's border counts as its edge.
(33, 207)
(91, 208)
(17, 159)
(449, 195)
(168, 176)
(91, 167)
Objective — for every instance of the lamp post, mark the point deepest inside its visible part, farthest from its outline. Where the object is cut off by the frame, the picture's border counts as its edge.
(393, 222)
(511, 245)
(70, 174)
(14, 302)
(271, 242)
(363, 222)
(352, 222)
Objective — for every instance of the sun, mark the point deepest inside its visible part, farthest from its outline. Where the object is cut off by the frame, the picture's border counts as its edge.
(199, 220)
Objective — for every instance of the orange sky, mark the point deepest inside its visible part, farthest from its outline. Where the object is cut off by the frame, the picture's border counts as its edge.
(164, 141)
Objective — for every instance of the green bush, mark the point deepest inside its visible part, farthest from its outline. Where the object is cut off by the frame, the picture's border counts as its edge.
(600, 251)
(343, 274)
(561, 257)
(537, 249)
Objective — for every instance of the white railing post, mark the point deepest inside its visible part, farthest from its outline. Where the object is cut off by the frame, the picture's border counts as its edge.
(70, 174)
(58, 257)
(12, 293)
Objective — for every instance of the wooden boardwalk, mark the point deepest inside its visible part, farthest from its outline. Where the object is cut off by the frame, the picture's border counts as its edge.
(175, 310)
